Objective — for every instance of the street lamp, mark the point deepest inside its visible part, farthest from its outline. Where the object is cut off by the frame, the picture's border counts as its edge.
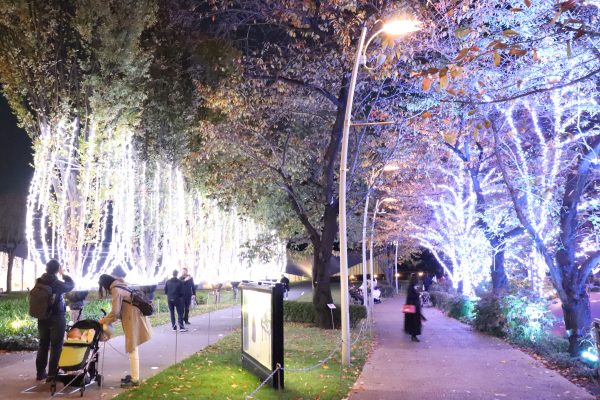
(371, 182)
(375, 212)
(397, 28)
(396, 264)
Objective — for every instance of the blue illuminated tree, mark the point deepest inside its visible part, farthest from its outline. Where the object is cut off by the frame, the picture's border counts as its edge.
(525, 76)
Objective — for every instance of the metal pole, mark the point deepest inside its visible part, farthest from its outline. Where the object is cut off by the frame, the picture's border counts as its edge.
(332, 323)
(345, 313)
(208, 332)
(176, 342)
(396, 266)
(371, 268)
(364, 255)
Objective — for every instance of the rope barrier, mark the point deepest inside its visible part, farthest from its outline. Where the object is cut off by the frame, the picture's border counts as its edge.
(113, 347)
(263, 383)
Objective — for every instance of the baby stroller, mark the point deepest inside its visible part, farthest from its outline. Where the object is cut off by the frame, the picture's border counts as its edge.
(425, 299)
(78, 363)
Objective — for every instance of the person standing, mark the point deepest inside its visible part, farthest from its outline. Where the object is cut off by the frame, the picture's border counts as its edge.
(174, 292)
(75, 301)
(51, 330)
(136, 327)
(286, 285)
(189, 293)
(217, 292)
(412, 321)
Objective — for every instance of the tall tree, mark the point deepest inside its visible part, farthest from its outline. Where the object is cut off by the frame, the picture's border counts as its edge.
(547, 157)
(12, 229)
(507, 64)
(71, 72)
(278, 153)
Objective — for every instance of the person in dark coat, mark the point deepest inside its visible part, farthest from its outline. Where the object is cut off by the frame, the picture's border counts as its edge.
(189, 293)
(286, 285)
(174, 292)
(412, 321)
(51, 331)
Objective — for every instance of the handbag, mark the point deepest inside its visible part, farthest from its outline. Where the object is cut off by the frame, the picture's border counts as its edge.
(409, 309)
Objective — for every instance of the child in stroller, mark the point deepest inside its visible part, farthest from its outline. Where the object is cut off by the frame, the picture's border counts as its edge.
(78, 363)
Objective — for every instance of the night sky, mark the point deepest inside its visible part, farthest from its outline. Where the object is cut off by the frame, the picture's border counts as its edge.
(15, 153)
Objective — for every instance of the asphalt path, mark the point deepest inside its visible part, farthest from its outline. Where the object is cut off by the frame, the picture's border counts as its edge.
(451, 362)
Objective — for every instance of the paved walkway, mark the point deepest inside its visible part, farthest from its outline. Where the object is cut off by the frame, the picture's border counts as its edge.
(17, 370)
(451, 362)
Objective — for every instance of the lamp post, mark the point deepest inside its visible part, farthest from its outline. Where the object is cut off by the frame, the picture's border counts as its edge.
(371, 182)
(396, 265)
(394, 28)
(371, 268)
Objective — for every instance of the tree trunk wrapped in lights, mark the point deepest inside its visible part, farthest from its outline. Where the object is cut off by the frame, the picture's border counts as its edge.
(547, 157)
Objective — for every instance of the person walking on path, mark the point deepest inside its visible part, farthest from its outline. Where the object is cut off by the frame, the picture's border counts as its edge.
(412, 321)
(51, 330)
(136, 326)
(189, 293)
(286, 285)
(174, 292)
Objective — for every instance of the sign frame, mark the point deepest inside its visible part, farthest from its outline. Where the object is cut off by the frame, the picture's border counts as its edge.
(276, 333)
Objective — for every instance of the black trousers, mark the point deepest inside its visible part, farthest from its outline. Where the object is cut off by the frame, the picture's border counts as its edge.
(187, 302)
(176, 304)
(51, 333)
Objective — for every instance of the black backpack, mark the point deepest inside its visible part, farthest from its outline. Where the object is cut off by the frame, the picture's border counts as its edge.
(139, 300)
(41, 300)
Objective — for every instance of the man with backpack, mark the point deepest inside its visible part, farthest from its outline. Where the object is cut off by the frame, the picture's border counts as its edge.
(47, 305)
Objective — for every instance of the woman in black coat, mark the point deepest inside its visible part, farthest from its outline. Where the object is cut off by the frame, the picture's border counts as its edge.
(412, 321)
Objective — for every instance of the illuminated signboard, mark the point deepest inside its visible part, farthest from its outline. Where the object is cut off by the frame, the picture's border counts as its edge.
(262, 329)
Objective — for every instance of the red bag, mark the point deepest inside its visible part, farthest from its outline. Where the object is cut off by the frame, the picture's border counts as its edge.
(409, 309)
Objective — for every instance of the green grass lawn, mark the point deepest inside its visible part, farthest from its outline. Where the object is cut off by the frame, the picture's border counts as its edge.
(216, 372)
(335, 293)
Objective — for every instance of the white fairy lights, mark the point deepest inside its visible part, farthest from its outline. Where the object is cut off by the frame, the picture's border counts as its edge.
(94, 206)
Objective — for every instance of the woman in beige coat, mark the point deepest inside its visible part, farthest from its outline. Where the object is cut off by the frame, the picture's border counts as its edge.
(136, 326)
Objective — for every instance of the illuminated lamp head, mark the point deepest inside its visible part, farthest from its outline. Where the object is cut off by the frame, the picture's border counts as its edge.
(399, 27)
